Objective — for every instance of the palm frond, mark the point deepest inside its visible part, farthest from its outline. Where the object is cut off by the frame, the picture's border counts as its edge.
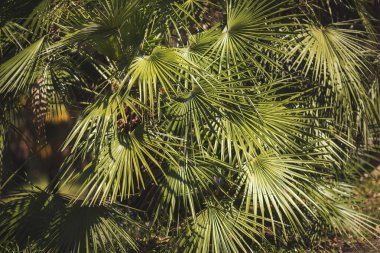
(339, 211)
(36, 214)
(251, 28)
(278, 188)
(106, 116)
(226, 122)
(338, 58)
(220, 229)
(334, 54)
(22, 69)
(12, 34)
(184, 187)
(120, 169)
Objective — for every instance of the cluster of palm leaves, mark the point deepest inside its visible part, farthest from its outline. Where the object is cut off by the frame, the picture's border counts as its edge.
(205, 126)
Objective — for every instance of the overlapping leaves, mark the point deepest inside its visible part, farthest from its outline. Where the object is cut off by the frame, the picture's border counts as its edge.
(39, 216)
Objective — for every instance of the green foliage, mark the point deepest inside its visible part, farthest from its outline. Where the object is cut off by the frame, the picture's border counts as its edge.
(220, 126)
(34, 215)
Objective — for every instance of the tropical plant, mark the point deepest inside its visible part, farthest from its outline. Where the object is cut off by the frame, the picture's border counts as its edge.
(203, 126)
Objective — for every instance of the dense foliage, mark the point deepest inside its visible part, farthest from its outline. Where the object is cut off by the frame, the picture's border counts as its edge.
(200, 126)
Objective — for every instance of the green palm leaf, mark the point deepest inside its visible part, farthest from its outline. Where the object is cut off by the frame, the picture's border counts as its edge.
(101, 119)
(251, 27)
(12, 33)
(184, 186)
(57, 226)
(336, 55)
(22, 69)
(218, 230)
(226, 122)
(277, 187)
(121, 167)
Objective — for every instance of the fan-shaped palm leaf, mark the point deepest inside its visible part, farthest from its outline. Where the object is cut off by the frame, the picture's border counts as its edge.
(100, 119)
(277, 187)
(184, 187)
(119, 169)
(334, 54)
(58, 226)
(251, 28)
(21, 69)
(220, 230)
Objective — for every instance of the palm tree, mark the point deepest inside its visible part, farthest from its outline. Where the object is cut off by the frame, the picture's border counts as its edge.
(204, 126)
